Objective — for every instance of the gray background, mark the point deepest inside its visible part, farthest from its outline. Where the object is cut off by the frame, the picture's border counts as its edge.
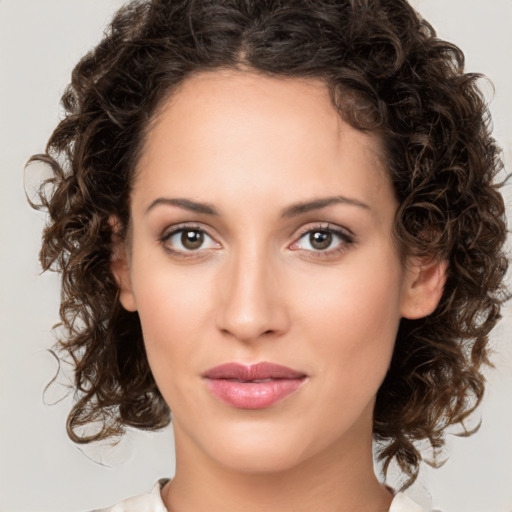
(40, 469)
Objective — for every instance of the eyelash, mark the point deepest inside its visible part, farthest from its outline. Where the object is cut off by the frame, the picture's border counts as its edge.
(164, 239)
(346, 240)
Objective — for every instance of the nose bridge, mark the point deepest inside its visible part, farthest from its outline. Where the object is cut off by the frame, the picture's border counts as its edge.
(250, 305)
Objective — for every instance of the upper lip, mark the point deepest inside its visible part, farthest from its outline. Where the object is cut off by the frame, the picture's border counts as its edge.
(259, 371)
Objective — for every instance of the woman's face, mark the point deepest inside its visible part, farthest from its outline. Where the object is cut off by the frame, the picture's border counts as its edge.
(261, 232)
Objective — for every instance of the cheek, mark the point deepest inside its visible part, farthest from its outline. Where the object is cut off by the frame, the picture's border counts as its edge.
(173, 305)
(354, 317)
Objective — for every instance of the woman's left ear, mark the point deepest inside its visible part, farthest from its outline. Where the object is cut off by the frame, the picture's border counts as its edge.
(424, 285)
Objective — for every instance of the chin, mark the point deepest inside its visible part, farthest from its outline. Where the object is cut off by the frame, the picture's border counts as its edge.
(261, 461)
(252, 450)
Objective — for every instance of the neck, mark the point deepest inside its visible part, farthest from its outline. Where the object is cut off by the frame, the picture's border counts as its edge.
(339, 479)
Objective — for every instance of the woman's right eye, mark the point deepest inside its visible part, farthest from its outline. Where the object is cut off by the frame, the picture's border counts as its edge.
(189, 240)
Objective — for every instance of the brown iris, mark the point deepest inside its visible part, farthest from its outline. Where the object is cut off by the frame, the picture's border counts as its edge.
(320, 240)
(192, 239)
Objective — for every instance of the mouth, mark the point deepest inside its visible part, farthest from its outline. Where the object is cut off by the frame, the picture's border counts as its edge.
(256, 386)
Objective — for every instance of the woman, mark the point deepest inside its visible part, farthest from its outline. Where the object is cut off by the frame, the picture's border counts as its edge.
(279, 221)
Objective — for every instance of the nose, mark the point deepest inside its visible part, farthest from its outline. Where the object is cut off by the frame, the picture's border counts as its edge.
(251, 301)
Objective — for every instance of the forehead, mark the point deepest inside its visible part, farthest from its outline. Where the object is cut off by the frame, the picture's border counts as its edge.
(243, 106)
(250, 132)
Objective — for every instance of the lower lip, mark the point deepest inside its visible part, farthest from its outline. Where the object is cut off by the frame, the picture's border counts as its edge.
(253, 395)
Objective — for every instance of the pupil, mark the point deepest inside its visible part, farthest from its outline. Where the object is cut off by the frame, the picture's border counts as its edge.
(320, 239)
(192, 239)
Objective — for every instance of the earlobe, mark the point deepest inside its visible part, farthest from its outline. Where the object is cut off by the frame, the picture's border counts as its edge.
(424, 286)
(120, 267)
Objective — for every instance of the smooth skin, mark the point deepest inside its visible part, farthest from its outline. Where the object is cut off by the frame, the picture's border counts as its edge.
(261, 230)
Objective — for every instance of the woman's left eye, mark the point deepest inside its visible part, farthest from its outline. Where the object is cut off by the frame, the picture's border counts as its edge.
(324, 240)
(188, 240)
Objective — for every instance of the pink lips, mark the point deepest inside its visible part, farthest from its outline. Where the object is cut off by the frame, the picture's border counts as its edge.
(252, 387)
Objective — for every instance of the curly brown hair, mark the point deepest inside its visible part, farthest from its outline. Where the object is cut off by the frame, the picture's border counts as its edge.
(388, 73)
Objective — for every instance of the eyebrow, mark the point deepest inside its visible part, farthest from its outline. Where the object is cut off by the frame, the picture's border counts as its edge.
(186, 204)
(317, 204)
(290, 211)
